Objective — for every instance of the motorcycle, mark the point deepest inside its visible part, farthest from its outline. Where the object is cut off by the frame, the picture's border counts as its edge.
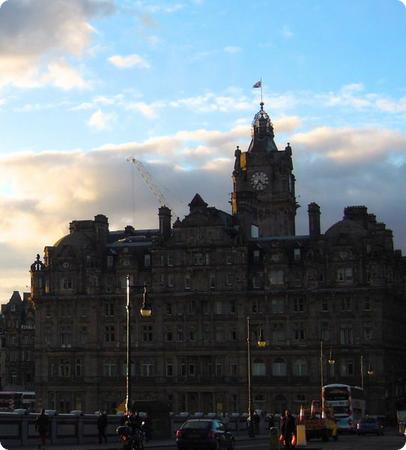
(132, 439)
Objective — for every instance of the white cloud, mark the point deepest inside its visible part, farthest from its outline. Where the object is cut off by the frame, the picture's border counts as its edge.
(403, 2)
(148, 111)
(101, 121)
(35, 34)
(360, 166)
(232, 49)
(129, 61)
(286, 32)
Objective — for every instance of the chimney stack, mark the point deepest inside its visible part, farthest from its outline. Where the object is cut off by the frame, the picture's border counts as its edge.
(314, 219)
(165, 222)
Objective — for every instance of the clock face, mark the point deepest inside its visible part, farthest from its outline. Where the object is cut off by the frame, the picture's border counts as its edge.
(259, 180)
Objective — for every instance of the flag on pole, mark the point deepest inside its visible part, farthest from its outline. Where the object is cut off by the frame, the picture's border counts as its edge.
(258, 84)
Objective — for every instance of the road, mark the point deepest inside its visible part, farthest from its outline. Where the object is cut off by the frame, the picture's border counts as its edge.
(390, 441)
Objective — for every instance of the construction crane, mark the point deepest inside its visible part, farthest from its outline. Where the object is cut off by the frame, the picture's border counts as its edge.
(149, 182)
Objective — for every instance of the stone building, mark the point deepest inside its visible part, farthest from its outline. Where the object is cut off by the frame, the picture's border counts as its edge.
(316, 298)
(17, 343)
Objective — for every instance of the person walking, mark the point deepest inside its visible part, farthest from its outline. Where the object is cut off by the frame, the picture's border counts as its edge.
(288, 429)
(42, 426)
(101, 426)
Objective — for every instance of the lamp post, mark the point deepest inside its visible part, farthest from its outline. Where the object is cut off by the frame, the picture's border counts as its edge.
(370, 371)
(261, 343)
(331, 362)
(145, 311)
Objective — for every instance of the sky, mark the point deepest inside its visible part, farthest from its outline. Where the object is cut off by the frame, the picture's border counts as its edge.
(86, 84)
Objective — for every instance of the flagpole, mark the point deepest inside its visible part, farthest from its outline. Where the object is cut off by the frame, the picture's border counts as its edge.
(261, 89)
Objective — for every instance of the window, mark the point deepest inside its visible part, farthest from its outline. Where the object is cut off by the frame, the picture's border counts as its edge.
(147, 260)
(254, 231)
(229, 279)
(296, 254)
(346, 304)
(276, 277)
(346, 335)
(279, 333)
(367, 331)
(170, 261)
(344, 275)
(324, 304)
(67, 283)
(192, 370)
(298, 331)
(66, 336)
(229, 259)
(187, 282)
(279, 368)
(324, 331)
(212, 281)
(198, 259)
(367, 304)
(78, 368)
(170, 280)
(169, 369)
(233, 335)
(256, 256)
(277, 305)
(169, 336)
(347, 368)
(179, 334)
(234, 369)
(147, 333)
(218, 307)
(109, 309)
(109, 368)
(169, 309)
(146, 369)
(298, 304)
(300, 368)
(110, 261)
(219, 370)
(109, 333)
(64, 369)
(258, 368)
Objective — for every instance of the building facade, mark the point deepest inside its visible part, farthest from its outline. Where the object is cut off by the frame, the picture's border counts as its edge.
(17, 343)
(337, 296)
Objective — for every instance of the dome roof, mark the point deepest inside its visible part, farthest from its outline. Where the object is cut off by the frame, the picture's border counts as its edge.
(346, 227)
(76, 239)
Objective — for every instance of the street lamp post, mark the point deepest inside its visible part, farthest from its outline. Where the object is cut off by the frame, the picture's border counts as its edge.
(260, 343)
(145, 311)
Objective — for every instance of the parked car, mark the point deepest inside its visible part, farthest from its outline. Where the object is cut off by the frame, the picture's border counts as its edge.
(369, 425)
(204, 434)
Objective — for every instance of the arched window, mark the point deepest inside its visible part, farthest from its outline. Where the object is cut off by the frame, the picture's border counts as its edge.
(279, 368)
(300, 368)
(258, 368)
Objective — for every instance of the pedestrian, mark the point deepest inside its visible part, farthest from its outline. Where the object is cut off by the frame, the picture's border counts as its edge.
(101, 426)
(288, 429)
(42, 426)
(147, 428)
(256, 420)
(271, 421)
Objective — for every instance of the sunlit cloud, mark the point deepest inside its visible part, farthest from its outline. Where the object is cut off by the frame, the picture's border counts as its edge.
(50, 30)
(129, 61)
(100, 120)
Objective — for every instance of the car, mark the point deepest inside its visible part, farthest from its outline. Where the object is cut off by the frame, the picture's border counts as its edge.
(369, 425)
(204, 434)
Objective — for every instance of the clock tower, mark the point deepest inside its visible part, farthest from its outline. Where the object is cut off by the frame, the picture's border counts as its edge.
(263, 199)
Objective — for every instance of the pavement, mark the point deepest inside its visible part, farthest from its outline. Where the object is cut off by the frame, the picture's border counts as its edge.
(116, 445)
